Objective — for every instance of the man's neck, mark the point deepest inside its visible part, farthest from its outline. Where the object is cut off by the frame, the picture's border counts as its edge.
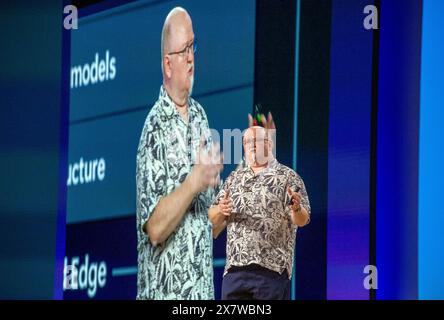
(258, 168)
(181, 103)
(183, 111)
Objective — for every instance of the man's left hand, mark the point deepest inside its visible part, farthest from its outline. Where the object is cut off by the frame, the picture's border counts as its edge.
(295, 200)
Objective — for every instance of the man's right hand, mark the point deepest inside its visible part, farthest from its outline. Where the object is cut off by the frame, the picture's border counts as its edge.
(205, 172)
(218, 214)
(225, 205)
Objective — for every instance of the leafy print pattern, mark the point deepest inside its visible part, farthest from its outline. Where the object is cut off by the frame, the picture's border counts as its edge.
(181, 267)
(260, 230)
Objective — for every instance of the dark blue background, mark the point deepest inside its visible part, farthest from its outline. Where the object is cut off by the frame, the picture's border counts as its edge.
(404, 173)
(30, 158)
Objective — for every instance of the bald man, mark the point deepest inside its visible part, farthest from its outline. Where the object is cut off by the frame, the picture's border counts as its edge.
(177, 170)
(262, 204)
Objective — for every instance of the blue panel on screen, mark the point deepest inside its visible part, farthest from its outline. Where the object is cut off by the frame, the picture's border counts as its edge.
(104, 187)
(349, 152)
(104, 254)
(127, 72)
(397, 149)
(431, 156)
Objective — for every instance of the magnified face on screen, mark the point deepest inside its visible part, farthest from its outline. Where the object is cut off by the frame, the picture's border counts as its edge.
(180, 46)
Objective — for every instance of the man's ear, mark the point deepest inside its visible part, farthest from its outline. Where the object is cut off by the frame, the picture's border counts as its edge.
(167, 66)
(271, 146)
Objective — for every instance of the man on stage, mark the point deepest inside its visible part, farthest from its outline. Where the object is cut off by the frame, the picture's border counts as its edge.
(261, 204)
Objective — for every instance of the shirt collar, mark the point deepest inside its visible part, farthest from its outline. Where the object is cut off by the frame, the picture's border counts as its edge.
(169, 107)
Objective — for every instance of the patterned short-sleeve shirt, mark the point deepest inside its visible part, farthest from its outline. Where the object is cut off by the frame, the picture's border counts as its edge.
(182, 266)
(260, 230)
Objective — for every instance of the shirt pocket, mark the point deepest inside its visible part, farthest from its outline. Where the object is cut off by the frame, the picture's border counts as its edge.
(272, 201)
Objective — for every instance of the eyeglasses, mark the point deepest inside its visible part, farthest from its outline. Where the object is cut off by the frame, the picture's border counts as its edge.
(186, 51)
(252, 142)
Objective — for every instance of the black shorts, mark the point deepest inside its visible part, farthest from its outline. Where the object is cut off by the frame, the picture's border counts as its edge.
(254, 282)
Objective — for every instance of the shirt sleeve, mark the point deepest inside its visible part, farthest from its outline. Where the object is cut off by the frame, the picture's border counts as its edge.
(295, 182)
(150, 175)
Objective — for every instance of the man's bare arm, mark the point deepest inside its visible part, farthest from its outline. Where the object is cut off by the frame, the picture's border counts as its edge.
(218, 220)
(171, 209)
(169, 213)
(299, 215)
(300, 218)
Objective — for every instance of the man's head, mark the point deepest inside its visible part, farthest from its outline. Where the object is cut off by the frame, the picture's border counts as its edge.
(177, 50)
(257, 146)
